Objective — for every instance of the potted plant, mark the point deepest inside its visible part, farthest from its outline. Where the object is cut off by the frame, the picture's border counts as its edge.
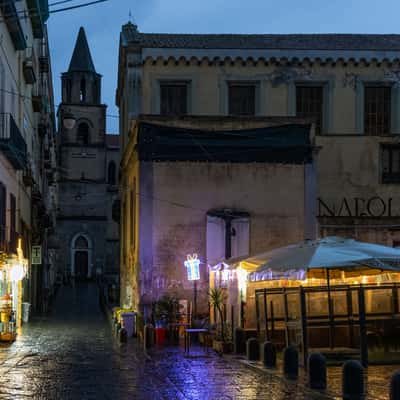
(222, 342)
(165, 312)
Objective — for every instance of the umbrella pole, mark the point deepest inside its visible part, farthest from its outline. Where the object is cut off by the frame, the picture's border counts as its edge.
(330, 309)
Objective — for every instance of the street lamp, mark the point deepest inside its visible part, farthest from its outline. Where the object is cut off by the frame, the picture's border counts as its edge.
(68, 120)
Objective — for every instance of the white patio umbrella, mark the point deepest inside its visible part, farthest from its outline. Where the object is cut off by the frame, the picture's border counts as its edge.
(327, 253)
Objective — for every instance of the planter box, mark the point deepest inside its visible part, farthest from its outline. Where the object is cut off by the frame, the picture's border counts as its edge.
(222, 347)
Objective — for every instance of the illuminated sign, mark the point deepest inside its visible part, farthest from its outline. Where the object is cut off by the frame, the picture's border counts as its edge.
(192, 265)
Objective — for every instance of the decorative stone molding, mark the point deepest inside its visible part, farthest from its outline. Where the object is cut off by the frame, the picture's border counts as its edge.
(285, 75)
(392, 76)
(350, 80)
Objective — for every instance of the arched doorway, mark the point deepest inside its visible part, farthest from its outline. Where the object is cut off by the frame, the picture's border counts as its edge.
(81, 257)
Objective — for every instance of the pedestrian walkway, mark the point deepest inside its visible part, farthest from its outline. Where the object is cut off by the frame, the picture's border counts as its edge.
(72, 355)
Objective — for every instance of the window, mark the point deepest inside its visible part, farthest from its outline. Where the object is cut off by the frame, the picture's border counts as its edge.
(242, 99)
(173, 98)
(83, 133)
(309, 103)
(111, 173)
(13, 223)
(82, 91)
(377, 110)
(132, 216)
(3, 210)
(68, 90)
(81, 243)
(390, 159)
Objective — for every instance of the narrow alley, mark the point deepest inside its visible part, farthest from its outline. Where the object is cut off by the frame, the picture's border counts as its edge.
(72, 354)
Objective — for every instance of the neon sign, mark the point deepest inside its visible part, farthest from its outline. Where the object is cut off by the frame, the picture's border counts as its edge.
(192, 265)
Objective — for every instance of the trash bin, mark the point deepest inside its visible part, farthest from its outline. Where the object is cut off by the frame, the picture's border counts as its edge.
(128, 322)
(161, 335)
(25, 312)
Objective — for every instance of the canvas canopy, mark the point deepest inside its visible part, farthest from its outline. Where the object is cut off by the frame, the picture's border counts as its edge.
(315, 257)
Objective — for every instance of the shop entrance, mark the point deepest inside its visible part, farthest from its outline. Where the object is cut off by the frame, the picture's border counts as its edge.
(81, 265)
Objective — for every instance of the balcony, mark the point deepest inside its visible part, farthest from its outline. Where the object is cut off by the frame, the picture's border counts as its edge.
(12, 143)
(39, 13)
(13, 24)
(29, 66)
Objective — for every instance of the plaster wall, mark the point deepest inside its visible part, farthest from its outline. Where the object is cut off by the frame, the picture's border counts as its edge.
(173, 221)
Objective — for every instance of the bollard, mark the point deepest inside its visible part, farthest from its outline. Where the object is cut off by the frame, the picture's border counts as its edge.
(148, 336)
(291, 362)
(353, 380)
(317, 371)
(269, 353)
(123, 335)
(253, 349)
(395, 386)
(239, 341)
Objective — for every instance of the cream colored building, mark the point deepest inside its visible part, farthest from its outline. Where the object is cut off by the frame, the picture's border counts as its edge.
(28, 195)
(349, 85)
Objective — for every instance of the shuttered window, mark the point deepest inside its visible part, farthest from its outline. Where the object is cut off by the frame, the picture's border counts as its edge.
(13, 223)
(3, 209)
(309, 104)
(390, 164)
(242, 99)
(377, 104)
(173, 98)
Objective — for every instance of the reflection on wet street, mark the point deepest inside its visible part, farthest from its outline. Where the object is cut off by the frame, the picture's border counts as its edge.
(71, 354)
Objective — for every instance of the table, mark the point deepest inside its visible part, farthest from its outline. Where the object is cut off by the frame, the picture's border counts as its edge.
(191, 331)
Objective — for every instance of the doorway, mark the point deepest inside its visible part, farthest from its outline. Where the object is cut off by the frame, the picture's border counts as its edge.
(81, 265)
(81, 257)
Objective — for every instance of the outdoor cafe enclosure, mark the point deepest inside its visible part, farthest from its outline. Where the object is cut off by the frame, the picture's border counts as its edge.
(333, 295)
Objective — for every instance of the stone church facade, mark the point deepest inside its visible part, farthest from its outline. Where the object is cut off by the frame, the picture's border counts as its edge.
(88, 164)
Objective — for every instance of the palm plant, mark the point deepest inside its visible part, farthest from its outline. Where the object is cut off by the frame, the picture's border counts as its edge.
(217, 298)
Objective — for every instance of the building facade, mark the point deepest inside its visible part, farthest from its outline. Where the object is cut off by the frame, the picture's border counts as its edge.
(28, 198)
(347, 84)
(88, 164)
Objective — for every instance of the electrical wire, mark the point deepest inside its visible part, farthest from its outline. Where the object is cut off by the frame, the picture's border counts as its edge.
(23, 14)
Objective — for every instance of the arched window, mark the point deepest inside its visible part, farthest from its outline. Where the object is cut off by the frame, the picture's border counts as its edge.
(81, 243)
(68, 90)
(83, 133)
(82, 92)
(111, 173)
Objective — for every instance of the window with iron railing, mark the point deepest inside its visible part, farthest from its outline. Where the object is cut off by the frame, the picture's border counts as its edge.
(3, 211)
(13, 223)
(377, 105)
(309, 104)
(242, 99)
(173, 98)
(390, 164)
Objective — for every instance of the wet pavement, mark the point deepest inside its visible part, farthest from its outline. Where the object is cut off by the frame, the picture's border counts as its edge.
(72, 355)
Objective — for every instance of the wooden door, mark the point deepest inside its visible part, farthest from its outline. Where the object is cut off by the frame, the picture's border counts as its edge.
(81, 265)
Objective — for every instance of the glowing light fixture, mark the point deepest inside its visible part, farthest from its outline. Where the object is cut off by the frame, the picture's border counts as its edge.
(192, 265)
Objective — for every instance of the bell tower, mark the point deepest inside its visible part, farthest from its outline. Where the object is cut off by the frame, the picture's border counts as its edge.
(81, 97)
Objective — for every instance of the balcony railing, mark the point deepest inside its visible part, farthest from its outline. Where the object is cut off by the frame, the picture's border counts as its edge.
(12, 143)
(39, 13)
(12, 20)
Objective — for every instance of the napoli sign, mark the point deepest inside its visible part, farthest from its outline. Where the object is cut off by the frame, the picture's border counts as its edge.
(358, 207)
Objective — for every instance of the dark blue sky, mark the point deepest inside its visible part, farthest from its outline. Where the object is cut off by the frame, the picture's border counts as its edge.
(103, 24)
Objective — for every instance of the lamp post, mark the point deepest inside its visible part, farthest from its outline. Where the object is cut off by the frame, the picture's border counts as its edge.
(192, 265)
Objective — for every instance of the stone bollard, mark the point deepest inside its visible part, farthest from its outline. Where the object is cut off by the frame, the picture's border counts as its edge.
(395, 386)
(353, 380)
(239, 341)
(117, 327)
(253, 349)
(317, 371)
(269, 355)
(291, 362)
(148, 336)
(123, 335)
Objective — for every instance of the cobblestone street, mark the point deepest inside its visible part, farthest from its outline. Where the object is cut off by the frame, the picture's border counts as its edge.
(72, 355)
